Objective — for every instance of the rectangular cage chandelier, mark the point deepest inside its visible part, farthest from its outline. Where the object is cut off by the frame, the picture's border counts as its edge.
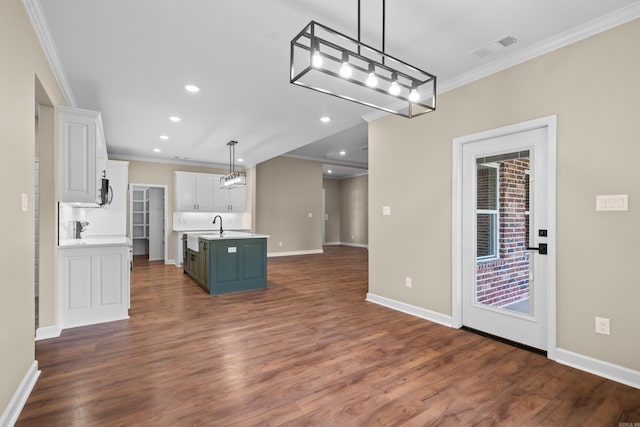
(330, 62)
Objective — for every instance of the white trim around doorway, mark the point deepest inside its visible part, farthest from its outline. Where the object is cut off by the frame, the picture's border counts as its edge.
(550, 123)
(166, 223)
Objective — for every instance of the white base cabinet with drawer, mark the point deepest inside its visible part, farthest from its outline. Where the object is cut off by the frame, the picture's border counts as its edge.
(93, 285)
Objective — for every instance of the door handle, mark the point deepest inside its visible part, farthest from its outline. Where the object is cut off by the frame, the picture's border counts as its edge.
(542, 249)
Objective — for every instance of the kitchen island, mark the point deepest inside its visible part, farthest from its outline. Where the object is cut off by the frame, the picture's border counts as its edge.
(227, 262)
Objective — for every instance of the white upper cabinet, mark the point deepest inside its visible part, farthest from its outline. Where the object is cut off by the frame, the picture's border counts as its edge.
(201, 192)
(194, 192)
(229, 199)
(82, 155)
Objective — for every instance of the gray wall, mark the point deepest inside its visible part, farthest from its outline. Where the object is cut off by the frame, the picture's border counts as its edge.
(23, 65)
(593, 88)
(287, 191)
(332, 210)
(354, 210)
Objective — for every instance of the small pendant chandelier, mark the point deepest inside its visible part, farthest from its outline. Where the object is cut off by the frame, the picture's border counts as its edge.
(233, 179)
(330, 62)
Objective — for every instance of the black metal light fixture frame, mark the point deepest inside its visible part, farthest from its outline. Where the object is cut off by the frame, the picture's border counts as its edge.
(334, 49)
(233, 179)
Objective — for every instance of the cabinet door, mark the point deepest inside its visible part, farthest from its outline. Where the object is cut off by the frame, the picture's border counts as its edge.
(185, 192)
(94, 285)
(229, 199)
(204, 192)
(237, 198)
(220, 196)
(77, 157)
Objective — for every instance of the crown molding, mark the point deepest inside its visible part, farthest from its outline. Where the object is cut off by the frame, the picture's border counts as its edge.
(576, 34)
(39, 23)
(126, 157)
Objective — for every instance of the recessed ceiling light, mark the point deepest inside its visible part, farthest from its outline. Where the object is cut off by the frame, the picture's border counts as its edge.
(192, 88)
(164, 137)
(342, 152)
(156, 150)
(329, 171)
(175, 119)
(240, 160)
(325, 119)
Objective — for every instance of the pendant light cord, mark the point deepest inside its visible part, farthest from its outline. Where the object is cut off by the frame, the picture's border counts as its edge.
(384, 13)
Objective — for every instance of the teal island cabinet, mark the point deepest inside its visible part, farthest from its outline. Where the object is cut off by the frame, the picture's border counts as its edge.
(232, 262)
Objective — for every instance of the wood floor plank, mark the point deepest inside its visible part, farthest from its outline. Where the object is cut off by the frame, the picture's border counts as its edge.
(307, 351)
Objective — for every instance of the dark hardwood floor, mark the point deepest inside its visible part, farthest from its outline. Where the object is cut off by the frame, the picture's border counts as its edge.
(308, 351)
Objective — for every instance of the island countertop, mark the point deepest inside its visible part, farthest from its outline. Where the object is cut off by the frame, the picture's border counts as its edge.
(228, 235)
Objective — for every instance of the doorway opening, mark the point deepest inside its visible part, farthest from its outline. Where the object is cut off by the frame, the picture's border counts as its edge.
(148, 222)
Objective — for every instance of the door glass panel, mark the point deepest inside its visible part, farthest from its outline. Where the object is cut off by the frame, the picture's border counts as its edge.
(503, 268)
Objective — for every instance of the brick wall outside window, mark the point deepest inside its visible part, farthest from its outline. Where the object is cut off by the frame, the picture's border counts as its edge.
(505, 280)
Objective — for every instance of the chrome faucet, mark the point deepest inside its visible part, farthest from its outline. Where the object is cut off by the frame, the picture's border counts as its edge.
(214, 221)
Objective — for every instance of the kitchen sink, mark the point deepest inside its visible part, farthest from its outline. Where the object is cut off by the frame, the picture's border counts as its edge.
(192, 242)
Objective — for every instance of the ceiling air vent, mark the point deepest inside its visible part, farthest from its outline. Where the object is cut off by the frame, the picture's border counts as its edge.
(494, 46)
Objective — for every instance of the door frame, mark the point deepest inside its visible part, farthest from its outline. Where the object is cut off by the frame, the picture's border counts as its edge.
(165, 231)
(550, 123)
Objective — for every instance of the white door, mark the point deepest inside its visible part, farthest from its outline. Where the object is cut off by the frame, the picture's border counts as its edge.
(505, 236)
(156, 223)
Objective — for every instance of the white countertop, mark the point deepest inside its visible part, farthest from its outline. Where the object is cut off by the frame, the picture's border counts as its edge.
(228, 235)
(192, 238)
(95, 241)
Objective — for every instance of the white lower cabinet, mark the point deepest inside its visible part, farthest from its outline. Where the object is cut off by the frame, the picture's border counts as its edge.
(93, 284)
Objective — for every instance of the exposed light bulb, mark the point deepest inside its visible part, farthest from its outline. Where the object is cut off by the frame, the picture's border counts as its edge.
(394, 89)
(346, 70)
(316, 60)
(414, 96)
(372, 80)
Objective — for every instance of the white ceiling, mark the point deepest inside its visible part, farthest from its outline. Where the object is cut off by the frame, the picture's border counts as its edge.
(130, 59)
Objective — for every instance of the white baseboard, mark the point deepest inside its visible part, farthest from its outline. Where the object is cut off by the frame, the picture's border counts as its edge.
(47, 332)
(355, 245)
(170, 261)
(599, 367)
(584, 363)
(422, 313)
(310, 252)
(12, 412)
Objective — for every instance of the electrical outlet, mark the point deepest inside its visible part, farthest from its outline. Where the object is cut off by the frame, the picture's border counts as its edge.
(279, 243)
(407, 282)
(603, 326)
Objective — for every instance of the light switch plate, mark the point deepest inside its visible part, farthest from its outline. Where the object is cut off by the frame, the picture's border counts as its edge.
(612, 202)
(25, 202)
(386, 210)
